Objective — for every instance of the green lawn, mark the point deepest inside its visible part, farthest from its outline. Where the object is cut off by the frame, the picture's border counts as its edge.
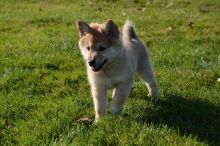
(44, 89)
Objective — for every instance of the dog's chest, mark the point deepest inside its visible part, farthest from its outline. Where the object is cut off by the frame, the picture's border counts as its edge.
(114, 80)
(109, 81)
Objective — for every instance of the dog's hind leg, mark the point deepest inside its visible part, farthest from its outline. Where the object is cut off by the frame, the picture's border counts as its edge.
(120, 95)
(146, 73)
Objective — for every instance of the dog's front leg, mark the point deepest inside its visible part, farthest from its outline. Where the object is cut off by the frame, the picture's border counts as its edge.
(100, 101)
(120, 95)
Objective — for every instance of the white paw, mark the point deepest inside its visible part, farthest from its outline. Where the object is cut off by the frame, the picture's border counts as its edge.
(115, 110)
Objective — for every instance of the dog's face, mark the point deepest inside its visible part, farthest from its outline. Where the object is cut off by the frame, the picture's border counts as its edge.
(99, 43)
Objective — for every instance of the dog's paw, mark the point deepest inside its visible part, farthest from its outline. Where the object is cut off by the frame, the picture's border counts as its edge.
(153, 97)
(153, 94)
(115, 111)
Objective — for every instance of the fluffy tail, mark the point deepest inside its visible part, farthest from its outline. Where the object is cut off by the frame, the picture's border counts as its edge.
(128, 32)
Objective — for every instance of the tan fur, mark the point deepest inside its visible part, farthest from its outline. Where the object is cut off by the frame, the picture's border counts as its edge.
(125, 55)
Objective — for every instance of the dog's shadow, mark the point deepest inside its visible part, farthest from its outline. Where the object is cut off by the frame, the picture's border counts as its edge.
(193, 116)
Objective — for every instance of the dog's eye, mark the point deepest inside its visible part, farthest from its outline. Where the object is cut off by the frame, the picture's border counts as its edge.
(101, 48)
(88, 48)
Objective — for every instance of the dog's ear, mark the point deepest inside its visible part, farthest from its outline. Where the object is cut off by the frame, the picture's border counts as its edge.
(111, 29)
(83, 28)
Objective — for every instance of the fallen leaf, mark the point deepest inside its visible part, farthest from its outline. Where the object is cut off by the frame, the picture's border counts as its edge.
(84, 119)
(140, 9)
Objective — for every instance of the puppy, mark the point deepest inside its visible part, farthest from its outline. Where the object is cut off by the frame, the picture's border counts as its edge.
(112, 59)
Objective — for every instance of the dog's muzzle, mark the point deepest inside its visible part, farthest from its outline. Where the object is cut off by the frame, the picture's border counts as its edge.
(95, 66)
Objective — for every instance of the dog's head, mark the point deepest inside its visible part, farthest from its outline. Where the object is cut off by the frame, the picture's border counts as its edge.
(99, 43)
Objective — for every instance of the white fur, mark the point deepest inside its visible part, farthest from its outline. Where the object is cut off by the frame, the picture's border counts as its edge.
(128, 57)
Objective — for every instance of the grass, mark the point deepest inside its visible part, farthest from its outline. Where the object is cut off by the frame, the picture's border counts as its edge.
(43, 84)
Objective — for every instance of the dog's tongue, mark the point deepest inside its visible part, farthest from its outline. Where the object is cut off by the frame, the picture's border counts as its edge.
(95, 69)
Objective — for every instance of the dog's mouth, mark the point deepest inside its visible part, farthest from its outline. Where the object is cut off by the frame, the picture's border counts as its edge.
(99, 67)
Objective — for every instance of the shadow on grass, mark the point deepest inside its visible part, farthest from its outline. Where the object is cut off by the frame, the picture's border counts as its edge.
(194, 117)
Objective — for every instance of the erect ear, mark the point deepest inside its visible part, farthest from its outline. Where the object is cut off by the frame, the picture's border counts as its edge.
(111, 29)
(83, 28)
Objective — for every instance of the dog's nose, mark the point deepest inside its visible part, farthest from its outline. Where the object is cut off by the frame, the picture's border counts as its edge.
(92, 62)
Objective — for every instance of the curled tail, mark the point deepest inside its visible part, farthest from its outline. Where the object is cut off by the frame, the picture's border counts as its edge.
(128, 32)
